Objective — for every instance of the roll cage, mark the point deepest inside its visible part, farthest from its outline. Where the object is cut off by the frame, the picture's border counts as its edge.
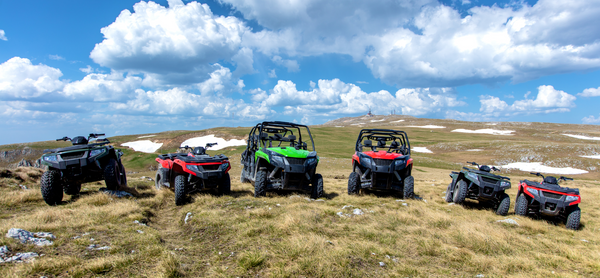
(399, 142)
(276, 133)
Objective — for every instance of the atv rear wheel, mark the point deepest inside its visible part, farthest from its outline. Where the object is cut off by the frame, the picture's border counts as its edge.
(161, 177)
(449, 194)
(113, 178)
(72, 189)
(317, 187)
(521, 205)
(409, 187)
(225, 185)
(353, 183)
(460, 192)
(180, 189)
(51, 186)
(260, 184)
(573, 219)
(504, 205)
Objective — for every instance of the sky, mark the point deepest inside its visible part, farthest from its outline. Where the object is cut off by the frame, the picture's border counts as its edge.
(121, 67)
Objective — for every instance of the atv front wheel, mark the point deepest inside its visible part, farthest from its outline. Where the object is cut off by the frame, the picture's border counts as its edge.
(225, 185)
(180, 189)
(460, 192)
(573, 219)
(51, 186)
(260, 184)
(353, 183)
(317, 187)
(521, 206)
(504, 205)
(409, 187)
(72, 189)
(112, 175)
(448, 194)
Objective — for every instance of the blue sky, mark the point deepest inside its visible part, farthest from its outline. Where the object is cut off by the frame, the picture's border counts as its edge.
(130, 67)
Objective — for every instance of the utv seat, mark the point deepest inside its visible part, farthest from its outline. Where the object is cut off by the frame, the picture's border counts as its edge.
(368, 144)
(393, 146)
(292, 139)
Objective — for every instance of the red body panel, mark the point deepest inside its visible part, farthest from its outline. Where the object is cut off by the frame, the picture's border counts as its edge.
(523, 188)
(169, 164)
(381, 155)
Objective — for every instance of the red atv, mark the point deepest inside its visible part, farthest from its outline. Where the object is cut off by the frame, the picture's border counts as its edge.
(549, 199)
(194, 171)
(383, 167)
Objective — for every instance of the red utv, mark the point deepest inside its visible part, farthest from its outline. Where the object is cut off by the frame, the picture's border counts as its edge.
(193, 171)
(382, 162)
(549, 199)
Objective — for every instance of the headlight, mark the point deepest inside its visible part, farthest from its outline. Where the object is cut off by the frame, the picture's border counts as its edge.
(96, 152)
(224, 166)
(50, 158)
(532, 191)
(504, 184)
(192, 168)
(277, 160)
(311, 160)
(473, 176)
(367, 161)
(571, 198)
(398, 164)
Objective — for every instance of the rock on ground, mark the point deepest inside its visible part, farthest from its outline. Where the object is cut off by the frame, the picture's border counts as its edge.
(116, 193)
(24, 236)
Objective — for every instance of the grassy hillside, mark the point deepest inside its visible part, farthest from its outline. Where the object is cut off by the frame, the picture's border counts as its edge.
(286, 235)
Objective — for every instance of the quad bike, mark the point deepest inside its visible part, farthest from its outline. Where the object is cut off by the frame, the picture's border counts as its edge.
(82, 162)
(277, 157)
(193, 171)
(480, 184)
(382, 167)
(549, 199)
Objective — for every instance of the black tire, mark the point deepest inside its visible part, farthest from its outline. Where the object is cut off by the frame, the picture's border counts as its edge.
(160, 178)
(409, 187)
(260, 184)
(72, 189)
(317, 186)
(112, 175)
(521, 205)
(180, 189)
(504, 204)
(51, 186)
(460, 192)
(353, 183)
(225, 185)
(573, 219)
(449, 194)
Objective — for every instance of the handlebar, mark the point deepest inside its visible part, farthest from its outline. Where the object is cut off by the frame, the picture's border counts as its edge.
(537, 174)
(495, 169)
(64, 139)
(565, 178)
(208, 145)
(472, 163)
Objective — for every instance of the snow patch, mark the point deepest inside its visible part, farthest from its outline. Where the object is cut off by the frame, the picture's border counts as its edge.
(538, 167)
(397, 121)
(582, 137)
(475, 150)
(591, 156)
(221, 143)
(485, 131)
(421, 150)
(374, 121)
(427, 126)
(146, 136)
(145, 146)
(358, 124)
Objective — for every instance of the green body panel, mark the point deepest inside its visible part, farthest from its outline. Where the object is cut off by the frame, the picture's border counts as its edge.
(261, 154)
(290, 152)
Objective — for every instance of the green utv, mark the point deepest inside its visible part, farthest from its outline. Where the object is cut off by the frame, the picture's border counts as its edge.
(277, 157)
(83, 162)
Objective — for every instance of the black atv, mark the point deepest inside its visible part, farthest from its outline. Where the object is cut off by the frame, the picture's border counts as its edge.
(479, 184)
(278, 157)
(549, 199)
(382, 166)
(83, 162)
(193, 171)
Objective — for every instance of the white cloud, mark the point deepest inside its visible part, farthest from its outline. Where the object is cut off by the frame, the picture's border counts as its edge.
(548, 100)
(179, 44)
(20, 79)
(590, 92)
(272, 74)
(3, 35)
(591, 120)
(291, 65)
(102, 87)
(87, 69)
(56, 57)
